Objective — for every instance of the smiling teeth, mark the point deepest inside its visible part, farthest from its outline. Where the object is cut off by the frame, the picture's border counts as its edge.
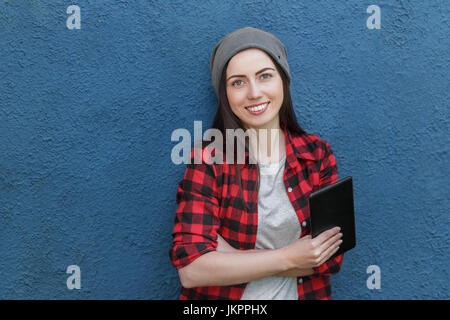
(258, 108)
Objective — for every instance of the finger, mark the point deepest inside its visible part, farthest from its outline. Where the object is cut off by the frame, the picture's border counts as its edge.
(324, 236)
(330, 242)
(329, 252)
(328, 257)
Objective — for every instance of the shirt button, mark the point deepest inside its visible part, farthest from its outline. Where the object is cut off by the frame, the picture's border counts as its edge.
(304, 224)
(300, 280)
(289, 189)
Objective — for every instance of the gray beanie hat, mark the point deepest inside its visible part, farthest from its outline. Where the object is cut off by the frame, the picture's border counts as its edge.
(239, 40)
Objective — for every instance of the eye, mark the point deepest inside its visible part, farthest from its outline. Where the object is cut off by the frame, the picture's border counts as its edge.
(266, 76)
(237, 83)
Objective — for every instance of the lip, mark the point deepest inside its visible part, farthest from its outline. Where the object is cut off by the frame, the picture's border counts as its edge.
(255, 105)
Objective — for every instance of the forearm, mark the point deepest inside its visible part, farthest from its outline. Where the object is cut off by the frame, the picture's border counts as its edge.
(228, 268)
(293, 272)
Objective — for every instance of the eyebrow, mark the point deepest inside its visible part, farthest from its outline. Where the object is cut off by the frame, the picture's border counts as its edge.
(241, 75)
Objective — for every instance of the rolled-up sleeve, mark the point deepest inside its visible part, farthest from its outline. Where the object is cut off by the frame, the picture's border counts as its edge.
(197, 215)
(328, 169)
(328, 175)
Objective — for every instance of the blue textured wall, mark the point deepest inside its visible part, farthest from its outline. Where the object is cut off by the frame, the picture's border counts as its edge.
(86, 117)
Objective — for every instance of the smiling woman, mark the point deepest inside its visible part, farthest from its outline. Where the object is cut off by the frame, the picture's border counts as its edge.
(243, 231)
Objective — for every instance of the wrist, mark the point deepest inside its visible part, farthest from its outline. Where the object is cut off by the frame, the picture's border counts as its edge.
(284, 259)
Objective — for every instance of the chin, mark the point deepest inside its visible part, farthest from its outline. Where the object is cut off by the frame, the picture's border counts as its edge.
(258, 124)
(261, 123)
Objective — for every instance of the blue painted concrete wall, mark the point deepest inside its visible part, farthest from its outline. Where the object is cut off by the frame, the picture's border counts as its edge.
(86, 117)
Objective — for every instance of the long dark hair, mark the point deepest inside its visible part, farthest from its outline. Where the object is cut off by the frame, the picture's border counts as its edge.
(226, 119)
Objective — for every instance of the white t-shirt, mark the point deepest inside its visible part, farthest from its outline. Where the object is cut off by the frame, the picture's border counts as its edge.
(278, 226)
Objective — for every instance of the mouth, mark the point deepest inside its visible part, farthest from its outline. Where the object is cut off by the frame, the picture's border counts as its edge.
(258, 108)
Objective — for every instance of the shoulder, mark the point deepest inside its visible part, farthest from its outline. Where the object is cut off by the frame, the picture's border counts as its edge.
(311, 145)
(207, 152)
(206, 157)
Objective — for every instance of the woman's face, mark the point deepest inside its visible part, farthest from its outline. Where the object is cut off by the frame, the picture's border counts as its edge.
(254, 89)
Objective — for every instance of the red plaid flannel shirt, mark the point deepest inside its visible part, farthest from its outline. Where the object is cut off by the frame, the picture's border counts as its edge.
(207, 206)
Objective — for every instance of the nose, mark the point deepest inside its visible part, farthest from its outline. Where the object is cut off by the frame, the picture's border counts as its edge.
(254, 91)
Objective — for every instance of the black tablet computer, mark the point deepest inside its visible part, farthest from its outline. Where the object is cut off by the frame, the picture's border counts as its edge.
(332, 206)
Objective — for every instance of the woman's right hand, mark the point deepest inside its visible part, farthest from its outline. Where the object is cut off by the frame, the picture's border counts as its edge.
(309, 253)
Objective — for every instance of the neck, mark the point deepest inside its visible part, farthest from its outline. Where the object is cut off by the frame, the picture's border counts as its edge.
(268, 143)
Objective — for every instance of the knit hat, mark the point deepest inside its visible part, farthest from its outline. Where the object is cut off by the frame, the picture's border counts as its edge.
(239, 40)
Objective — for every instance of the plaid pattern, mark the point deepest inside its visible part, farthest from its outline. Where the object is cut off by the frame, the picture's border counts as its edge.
(209, 204)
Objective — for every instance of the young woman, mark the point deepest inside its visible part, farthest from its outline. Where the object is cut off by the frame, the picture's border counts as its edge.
(242, 229)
